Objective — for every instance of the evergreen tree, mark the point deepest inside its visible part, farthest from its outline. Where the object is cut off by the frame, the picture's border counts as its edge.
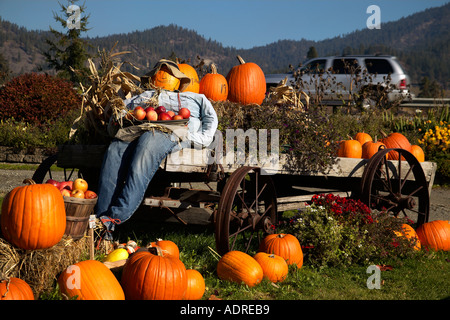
(67, 51)
(312, 53)
(4, 70)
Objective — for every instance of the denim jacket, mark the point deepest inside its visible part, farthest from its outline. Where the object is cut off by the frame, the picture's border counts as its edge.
(202, 123)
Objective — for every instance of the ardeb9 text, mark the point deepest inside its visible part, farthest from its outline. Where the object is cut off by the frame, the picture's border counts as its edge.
(230, 309)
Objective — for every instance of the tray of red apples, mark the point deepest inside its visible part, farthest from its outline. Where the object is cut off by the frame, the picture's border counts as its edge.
(159, 115)
(78, 188)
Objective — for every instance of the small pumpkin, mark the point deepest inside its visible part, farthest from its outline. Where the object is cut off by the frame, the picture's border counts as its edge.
(15, 289)
(195, 285)
(274, 267)
(409, 233)
(238, 266)
(163, 79)
(284, 245)
(90, 280)
(168, 248)
(369, 148)
(396, 140)
(417, 151)
(435, 234)
(350, 149)
(33, 216)
(363, 137)
(214, 85)
(189, 71)
(246, 83)
(146, 276)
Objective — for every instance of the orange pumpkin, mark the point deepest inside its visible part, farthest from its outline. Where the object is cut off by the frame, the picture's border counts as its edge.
(274, 267)
(238, 266)
(370, 148)
(363, 137)
(90, 280)
(146, 276)
(350, 149)
(214, 85)
(246, 83)
(163, 79)
(435, 234)
(409, 233)
(189, 71)
(195, 285)
(15, 289)
(168, 248)
(396, 140)
(417, 151)
(33, 216)
(284, 245)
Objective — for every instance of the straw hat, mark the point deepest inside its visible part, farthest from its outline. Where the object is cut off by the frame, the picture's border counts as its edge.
(173, 70)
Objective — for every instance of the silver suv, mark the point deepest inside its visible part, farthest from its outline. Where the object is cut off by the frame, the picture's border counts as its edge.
(360, 78)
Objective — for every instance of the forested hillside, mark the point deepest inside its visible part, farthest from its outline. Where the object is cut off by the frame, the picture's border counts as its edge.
(421, 42)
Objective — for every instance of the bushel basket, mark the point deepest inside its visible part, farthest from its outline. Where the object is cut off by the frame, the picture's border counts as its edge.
(77, 215)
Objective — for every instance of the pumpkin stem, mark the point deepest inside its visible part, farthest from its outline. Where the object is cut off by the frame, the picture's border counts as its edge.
(383, 134)
(29, 181)
(213, 68)
(241, 61)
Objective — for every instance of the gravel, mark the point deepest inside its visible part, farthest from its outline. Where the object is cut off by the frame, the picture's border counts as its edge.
(439, 208)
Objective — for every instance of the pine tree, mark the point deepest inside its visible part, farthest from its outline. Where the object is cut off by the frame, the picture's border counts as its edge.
(67, 51)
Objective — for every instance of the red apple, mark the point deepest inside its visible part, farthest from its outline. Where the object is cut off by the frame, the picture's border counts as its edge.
(185, 113)
(160, 109)
(65, 193)
(151, 115)
(80, 184)
(66, 185)
(77, 194)
(89, 194)
(53, 182)
(149, 109)
(164, 116)
(177, 117)
(139, 113)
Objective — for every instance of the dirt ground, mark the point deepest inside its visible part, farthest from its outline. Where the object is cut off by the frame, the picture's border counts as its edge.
(439, 208)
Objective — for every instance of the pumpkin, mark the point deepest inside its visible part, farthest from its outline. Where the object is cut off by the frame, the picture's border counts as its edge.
(396, 140)
(90, 280)
(189, 71)
(435, 234)
(284, 245)
(246, 83)
(15, 289)
(239, 267)
(195, 285)
(146, 276)
(409, 233)
(274, 267)
(350, 149)
(33, 216)
(363, 137)
(168, 248)
(417, 151)
(163, 79)
(370, 148)
(214, 85)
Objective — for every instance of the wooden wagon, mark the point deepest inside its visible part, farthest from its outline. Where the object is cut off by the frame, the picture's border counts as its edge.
(244, 201)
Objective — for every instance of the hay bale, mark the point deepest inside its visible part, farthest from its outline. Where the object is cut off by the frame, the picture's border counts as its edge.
(40, 268)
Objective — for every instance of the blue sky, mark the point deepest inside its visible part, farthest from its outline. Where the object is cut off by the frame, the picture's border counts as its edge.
(240, 24)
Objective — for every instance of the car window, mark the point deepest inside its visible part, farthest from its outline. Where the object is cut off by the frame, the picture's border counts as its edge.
(379, 66)
(345, 66)
(315, 67)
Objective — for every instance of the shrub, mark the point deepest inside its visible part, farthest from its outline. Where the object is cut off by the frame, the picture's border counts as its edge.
(37, 99)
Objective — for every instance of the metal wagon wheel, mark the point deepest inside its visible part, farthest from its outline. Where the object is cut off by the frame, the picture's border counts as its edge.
(45, 171)
(400, 187)
(247, 210)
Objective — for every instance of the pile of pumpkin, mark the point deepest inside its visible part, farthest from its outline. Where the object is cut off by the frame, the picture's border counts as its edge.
(245, 83)
(363, 146)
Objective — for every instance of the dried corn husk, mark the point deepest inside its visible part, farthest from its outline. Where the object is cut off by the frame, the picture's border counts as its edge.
(284, 94)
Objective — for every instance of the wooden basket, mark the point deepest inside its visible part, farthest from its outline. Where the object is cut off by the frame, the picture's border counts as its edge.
(77, 215)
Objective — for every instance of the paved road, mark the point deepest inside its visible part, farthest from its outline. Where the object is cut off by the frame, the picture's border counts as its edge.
(439, 209)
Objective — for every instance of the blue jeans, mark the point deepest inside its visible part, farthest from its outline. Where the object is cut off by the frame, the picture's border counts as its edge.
(127, 169)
